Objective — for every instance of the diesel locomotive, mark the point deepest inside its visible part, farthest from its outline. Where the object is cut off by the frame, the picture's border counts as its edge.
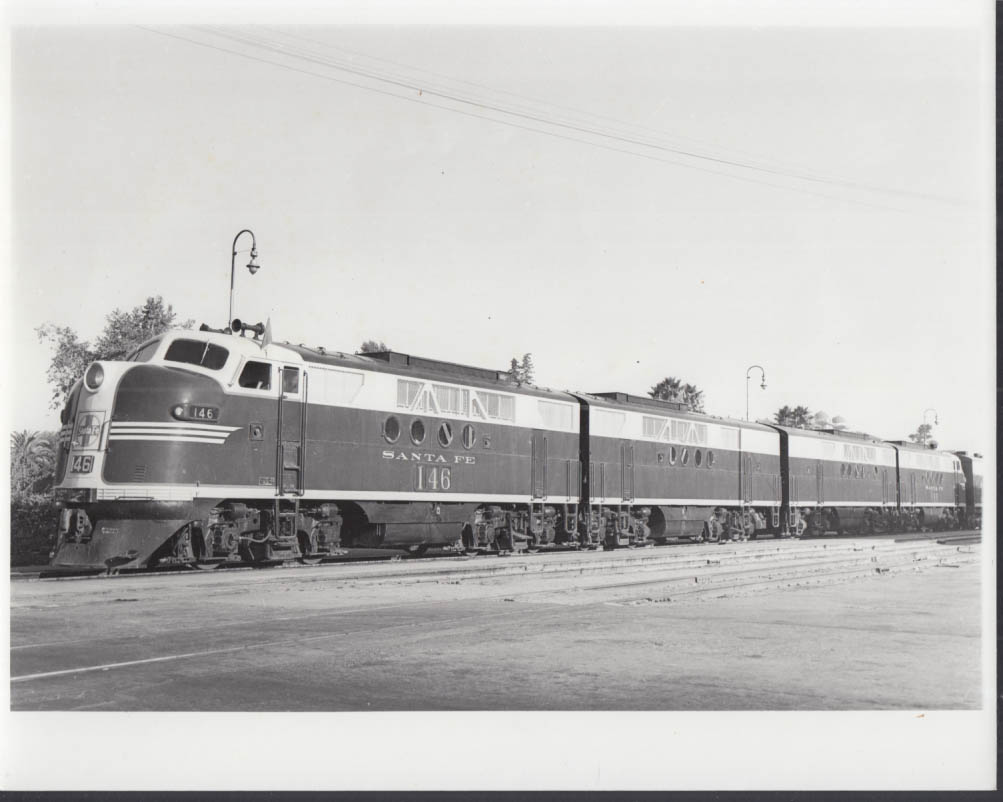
(220, 446)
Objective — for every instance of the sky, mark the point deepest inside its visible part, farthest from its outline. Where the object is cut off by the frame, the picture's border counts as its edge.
(855, 266)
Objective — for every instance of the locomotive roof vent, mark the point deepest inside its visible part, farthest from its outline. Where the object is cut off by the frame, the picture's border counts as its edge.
(627, 398)
(406, 360)
(846, 433)
(910, 445)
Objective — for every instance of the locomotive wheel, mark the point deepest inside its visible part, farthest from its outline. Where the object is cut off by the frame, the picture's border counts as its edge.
(205, 566)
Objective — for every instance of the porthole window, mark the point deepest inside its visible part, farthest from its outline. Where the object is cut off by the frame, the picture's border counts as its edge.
(710, 459)
(685, 458)
(417, 432)
(469, 436)
(698, 458)
(391, 429)
(445, 434)
(672, 455)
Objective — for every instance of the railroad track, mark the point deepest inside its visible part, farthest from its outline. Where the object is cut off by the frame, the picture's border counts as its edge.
(382, 557)
(655, 577)
(779, 573)
(621, 577)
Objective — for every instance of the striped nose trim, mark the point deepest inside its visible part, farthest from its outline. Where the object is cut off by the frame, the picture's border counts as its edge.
(170, 432)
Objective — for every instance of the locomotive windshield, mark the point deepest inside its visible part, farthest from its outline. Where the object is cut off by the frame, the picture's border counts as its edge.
(144, 353)
(197, 352)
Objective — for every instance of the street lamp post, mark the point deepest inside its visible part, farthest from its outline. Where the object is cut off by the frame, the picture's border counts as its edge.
(748, 373)
(251, 266)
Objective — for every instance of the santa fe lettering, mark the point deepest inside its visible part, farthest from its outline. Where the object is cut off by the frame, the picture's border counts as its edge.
(414, 456)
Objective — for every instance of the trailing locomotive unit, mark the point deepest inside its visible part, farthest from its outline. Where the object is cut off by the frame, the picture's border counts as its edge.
(657, 471)
(207, 447)
(971, 468)
(932, 487)
(838, 481)
(849, 482)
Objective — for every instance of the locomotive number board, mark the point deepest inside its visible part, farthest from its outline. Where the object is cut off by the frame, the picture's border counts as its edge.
(82, 464)
(197, 412)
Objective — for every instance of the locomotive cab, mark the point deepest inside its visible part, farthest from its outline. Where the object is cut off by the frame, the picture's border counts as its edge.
(141, 434)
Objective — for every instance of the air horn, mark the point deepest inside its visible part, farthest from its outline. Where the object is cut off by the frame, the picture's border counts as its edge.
(239, 326)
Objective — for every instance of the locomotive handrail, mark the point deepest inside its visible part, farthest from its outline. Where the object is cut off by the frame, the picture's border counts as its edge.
(304, 395)
(279, 445)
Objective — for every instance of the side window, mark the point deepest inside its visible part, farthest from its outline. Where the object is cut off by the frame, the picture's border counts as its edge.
(290, 380)
(256, 376)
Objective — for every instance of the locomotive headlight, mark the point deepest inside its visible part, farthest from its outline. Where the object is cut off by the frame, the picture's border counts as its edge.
(94, 377)
(178, 411)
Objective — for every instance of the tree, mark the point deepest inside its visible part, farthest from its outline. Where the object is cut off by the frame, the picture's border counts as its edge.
(922, 434)
(32, 461)
(521, 371)
(693, 397)
(123, 331)
(672, 389)
(373, 347)
(800, 417)
(668, 389)
(70, 359)
(527, 368)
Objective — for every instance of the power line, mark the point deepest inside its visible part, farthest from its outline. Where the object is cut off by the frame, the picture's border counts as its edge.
(531, 100)
(511, 124)
(593, 131)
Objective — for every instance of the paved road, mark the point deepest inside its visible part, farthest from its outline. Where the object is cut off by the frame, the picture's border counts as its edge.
(309, 639)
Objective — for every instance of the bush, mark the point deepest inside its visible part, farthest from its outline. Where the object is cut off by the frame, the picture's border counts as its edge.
(34, 520)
